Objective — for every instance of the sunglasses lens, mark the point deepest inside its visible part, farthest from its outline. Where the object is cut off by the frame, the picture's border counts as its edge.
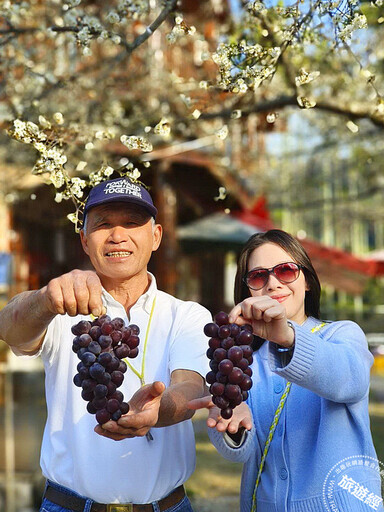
(287, 272)
(256, 279)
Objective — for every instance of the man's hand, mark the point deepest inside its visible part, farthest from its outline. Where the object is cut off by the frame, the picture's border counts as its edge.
(143, 414)
(267, 317)
(76, 293)
(241, 416)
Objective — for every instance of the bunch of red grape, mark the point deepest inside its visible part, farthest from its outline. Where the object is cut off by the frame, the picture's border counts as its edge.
(230, 352)
(101, 345)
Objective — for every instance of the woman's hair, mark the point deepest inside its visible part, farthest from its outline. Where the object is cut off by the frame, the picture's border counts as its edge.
(290, 245)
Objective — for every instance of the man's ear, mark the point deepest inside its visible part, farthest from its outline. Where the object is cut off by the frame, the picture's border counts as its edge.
(157, 236)
(84, 242)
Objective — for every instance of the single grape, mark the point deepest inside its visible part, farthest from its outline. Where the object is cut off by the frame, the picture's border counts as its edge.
(95, 332)
(247, 327)
(94, 347)
(83, 327)
(135, 329)
(211, 330)
(243, 364)
(116, 336)
(224, 331)
(248, 371)
(90, 408)
(133, 352)
(232, 391)
(117, 378)
(214, 343)
(105, 359)
(126, 334)
(133, 341)
(221, 318)
(225, 366)
(88, 384)
(214, 365)
(99, 403)
(118, 395)
(102, 319)
(122, 367)
(220, 401)
(102, 416)
(84, 340)
(246, 383)
(210, 377)
(112, 405)
(227, 343)
(96, 371)
(100, 391)
(235, 354)
(116, 415)
(88, 358)
(87, 395)
(221, 378)
(217, 389)
(124, 407)
(247, 350)
(114, 364)
(122, 351)
(244, 338)
(77, 380)
(226, 413)
(76, 345)
(236, 376)
(105, 341)
(219, 354)
(111, 388)
(235, 330)
(209, 353)
(118, 323)
(107, 328)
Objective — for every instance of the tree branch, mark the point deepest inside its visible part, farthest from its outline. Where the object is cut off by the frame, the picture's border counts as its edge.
(284, 101)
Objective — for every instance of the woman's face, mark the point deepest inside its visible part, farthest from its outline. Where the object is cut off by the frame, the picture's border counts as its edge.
(290, 295)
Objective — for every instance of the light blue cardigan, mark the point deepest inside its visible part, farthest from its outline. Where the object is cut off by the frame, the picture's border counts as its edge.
(325, 420)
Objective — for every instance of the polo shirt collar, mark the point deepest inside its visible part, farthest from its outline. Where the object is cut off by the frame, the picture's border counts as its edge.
(145, 301)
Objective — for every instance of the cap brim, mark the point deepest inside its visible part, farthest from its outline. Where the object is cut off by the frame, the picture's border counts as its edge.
(131, 200)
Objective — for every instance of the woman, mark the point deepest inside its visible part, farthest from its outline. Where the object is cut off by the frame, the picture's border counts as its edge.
(307, 411)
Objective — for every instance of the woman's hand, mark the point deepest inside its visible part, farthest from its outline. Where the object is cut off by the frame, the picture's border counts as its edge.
(241, 416)
(267, 317)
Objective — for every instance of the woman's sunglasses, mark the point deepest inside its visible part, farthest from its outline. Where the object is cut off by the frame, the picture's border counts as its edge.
(286, 273)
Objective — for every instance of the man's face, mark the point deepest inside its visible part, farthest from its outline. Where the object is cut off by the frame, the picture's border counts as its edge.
(119, 240)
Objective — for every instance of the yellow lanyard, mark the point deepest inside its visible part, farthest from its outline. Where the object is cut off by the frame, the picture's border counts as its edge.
(273, 426)
(141, 374)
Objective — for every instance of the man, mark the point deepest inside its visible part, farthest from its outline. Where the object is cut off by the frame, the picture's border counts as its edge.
(85, 469)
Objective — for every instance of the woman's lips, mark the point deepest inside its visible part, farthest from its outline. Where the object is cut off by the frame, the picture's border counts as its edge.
(280, 298)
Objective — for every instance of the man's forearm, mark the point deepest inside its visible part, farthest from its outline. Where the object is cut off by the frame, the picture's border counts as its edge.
(173, 406)
(24, 320)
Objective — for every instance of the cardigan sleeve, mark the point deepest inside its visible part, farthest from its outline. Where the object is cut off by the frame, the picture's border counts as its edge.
(334, 362)
(235, 454)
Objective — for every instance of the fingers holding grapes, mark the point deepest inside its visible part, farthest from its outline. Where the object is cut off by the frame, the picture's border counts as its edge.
(267, 317)
(75, 293)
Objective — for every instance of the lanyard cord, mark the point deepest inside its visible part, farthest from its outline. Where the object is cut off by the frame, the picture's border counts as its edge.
(272, 429)
(141, 374)
(273, 426)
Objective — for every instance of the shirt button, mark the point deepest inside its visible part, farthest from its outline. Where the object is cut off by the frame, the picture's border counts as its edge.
(283, 473)
(278, 387)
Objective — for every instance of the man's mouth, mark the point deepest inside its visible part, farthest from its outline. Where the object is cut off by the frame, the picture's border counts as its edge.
(118, 254)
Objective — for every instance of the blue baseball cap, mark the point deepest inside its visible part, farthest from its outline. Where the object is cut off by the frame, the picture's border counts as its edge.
(120, 190)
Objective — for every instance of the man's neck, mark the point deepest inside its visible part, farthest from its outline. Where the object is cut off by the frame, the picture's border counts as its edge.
(129, 291)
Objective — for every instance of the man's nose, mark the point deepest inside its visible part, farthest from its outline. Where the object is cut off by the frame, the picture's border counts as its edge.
(118, 234)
